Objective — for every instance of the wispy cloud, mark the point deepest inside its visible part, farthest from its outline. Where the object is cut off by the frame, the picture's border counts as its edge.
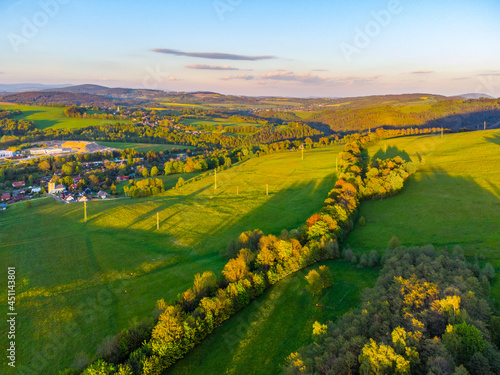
(212, 55)
(492, 73)
(246, 77)
(422, 72)
(288, 75)
(210, 67)
(319, 70)
(302, 78)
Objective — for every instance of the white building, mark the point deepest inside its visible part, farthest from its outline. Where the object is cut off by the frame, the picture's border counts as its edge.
(6, 154)
(45, 151)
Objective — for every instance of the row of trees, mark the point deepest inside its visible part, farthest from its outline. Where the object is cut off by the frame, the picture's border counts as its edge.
(144, 188)
(256, 262)
(427, 314)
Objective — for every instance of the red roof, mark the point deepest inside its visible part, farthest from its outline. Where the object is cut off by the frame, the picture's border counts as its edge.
(5, 196)
(18, 184)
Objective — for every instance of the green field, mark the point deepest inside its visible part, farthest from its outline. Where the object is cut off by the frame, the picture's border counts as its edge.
(198, 123)
(53, 117)
(144, 147)
(168, 181)
(79, 283)
(258, 339)
(454, 198)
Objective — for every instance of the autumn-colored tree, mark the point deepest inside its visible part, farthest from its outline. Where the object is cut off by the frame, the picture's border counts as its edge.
(313, 220)
(235, 269)
(314, 282)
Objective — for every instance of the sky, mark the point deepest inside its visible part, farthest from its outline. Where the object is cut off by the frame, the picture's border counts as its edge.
(320, 48)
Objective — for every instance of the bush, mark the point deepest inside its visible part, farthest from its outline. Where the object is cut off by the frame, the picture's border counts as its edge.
(394, 243)
(362, 221)
(348, 255)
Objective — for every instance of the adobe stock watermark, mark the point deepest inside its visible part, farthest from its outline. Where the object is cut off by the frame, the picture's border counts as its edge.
(223, 6)
(31, 26)
(365, 36)
(154, 77)
(489, 84)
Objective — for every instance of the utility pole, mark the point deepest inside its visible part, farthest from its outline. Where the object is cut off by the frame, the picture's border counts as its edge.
(485, 125)
(385, 148)
(157, 221)
(442, 132)
(302, 149)
(267, 189)
(85, 210)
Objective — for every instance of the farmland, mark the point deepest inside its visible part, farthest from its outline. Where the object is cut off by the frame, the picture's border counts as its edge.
(98, 278)
(53, 117)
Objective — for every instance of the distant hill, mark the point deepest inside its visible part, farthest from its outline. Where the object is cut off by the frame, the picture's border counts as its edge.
(80, 89)
(476, 96)
(57, 97)
(117, 93)
(24, 87)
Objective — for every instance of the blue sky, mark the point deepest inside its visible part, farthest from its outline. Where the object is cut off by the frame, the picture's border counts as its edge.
(254, 47)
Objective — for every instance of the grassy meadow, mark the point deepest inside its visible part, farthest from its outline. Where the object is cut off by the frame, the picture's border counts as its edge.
(53, 117)
(453, 199)
(80, 282)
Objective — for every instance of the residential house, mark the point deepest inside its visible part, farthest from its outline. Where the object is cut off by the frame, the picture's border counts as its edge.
(18, 184)
(102, 194)
(5, 197)
(3, 206)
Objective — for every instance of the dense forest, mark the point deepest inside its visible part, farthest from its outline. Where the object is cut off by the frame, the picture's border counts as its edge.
(451, 114)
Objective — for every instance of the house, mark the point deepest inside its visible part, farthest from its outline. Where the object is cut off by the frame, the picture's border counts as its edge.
(83, 198)
(76, 179)
(6, 154)
(5, 197)
(18, 184)
(102, 194)
(36, 189)
(3, 206)
(69, 199)
(123, 178)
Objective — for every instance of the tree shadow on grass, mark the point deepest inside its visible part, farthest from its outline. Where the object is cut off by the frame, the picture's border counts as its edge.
(434, 207)
(39, 124)
(494, 139)
(392, 152)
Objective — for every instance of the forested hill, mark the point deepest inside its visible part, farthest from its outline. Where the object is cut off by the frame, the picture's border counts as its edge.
(451, 114)
(57, 97)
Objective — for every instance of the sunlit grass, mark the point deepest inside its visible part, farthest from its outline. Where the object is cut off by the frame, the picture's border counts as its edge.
(102, 275)
(54, 118)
